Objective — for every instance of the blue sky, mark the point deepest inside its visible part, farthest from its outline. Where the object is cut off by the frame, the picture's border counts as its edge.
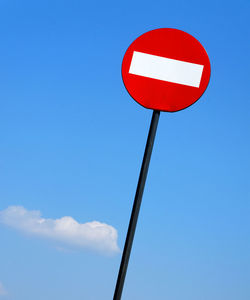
(72, 142)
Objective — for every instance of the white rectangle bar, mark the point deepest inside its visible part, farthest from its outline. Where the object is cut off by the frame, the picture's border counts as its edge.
(166, 69)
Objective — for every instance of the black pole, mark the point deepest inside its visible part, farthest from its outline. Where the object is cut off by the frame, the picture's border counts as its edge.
(136, 206)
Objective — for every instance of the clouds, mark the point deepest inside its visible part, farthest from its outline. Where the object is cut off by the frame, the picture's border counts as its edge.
(3, 292)
(92, 235)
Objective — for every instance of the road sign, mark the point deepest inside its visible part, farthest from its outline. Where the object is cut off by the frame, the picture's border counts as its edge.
(166, 69)
(163, 69)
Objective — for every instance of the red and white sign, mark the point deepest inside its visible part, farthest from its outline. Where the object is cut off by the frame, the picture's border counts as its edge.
(166, 69)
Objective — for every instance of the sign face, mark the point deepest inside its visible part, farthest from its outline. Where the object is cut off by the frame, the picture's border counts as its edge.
(166, 69)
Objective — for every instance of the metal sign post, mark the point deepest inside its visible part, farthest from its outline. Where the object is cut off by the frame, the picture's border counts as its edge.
(136, 206)
(168, 70)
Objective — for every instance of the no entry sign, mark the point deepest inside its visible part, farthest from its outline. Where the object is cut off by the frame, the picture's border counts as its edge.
(166, 69)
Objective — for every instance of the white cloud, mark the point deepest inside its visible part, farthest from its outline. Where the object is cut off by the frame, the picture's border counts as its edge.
(3, 292)
(92, 235)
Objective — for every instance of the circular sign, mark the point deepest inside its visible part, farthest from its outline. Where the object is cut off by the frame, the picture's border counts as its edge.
(166, 69)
